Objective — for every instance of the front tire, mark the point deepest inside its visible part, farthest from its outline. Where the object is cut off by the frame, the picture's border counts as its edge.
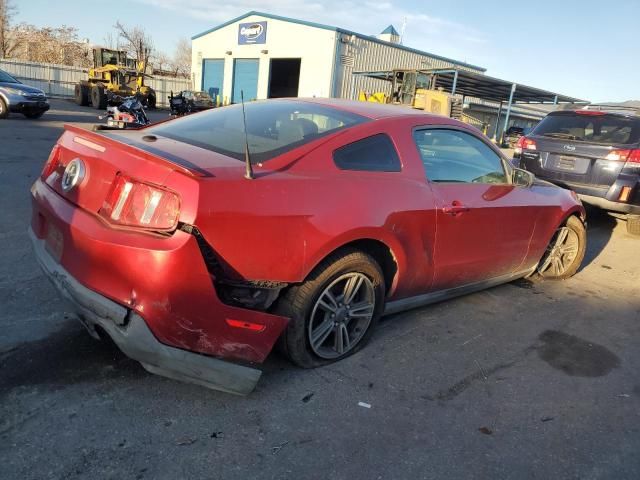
(333, 313)
(4, 111)
(565, 252)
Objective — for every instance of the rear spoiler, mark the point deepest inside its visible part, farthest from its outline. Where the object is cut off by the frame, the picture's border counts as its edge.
(100, 142)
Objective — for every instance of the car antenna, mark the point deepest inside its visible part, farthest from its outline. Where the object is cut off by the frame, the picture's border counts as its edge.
(248, 173)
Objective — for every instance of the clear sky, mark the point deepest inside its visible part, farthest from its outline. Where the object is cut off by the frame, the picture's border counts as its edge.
(588, 49)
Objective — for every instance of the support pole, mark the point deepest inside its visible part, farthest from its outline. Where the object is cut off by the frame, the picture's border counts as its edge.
(555, 100)
(455, 83)
(506, 118)
(495, 130)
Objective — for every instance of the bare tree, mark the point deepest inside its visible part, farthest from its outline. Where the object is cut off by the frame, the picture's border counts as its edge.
(137, 42)
(50, 45)
(110, 41)
(162, 61)
(7, 41)
(182, 58)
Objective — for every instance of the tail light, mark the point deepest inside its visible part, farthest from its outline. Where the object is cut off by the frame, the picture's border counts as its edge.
(634, 156)
(52, 162)
(629, 156)
(525, 143)
(137, 204)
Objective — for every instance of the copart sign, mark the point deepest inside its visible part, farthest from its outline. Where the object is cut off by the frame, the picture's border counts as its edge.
(251, 33)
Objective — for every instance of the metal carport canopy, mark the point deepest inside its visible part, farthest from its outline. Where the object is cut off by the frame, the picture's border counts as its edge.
(471, 84)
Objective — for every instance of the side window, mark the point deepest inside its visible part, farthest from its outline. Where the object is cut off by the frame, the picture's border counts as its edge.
(374, 154)
(455, 156)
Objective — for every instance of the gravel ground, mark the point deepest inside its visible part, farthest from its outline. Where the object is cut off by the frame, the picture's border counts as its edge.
(523, 381)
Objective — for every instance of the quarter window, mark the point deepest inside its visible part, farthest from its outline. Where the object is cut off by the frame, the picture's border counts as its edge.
(374, 154)
(455, 156)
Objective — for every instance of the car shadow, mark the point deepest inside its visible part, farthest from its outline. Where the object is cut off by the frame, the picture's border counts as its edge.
(600, 225)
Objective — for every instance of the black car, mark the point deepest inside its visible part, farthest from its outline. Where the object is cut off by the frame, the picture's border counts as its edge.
(594, 151)
(188, 101)
(512, 135)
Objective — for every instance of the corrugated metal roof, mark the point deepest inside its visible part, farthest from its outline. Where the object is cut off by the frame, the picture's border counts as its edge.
(476, 85)
(339, 30)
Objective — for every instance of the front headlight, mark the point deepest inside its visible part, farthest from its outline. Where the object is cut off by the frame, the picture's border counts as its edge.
(16, 91)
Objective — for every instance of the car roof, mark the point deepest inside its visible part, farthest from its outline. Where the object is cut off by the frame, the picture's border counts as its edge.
(370, 110)
(626, 113)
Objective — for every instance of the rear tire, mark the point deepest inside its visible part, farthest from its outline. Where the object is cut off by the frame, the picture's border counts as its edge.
(340, 319)
(151, 102)
(81, 95)
(98, 97)
(565, 252)
(4, 111)
(633, 225)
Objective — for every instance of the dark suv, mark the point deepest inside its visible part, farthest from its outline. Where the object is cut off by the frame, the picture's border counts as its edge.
(594, 151)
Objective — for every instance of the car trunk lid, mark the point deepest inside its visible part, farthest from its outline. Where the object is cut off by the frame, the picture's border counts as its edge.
(105, 156)
(574, 162)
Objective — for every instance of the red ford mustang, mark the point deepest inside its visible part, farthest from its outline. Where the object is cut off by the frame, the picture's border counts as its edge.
(198, 243)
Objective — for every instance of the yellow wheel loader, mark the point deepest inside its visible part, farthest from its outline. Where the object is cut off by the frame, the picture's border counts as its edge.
(113, 71)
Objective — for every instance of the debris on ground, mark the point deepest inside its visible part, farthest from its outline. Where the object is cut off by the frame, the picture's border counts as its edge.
(624, 395)
(485, 430)
(217, 435)
(471, 340)
(186, 441)
(546, 419)
(363, 404)
(484, 375)
(277, 448)
(606, 266)
(307, 397)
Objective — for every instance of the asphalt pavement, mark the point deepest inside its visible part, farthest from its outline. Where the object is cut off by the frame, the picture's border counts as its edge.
(523, 381)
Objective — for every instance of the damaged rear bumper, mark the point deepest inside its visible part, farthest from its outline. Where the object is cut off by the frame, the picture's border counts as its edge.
(132, 335)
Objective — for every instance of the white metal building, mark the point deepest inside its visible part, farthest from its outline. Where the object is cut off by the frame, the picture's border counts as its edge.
(267, 56)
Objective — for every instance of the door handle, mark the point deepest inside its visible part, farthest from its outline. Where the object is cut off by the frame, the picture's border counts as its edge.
(456, 208)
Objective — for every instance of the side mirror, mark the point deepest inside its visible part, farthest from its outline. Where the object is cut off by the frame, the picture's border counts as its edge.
(522, 178)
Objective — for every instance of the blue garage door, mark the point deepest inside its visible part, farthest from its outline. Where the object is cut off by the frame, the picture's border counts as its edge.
(245, 78)
(212, 77)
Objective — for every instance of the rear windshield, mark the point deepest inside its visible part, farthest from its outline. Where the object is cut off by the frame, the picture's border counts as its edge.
(603, 129)
(273, 127)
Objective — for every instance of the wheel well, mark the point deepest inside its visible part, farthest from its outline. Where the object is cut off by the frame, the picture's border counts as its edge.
(574, 214)
(380, 252)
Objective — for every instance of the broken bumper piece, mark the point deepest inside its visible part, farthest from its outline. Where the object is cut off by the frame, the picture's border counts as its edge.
(132, 335)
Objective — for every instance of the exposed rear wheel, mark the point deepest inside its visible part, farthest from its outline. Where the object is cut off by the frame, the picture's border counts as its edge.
(565, 252)
(633, 224)
(334, 311)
